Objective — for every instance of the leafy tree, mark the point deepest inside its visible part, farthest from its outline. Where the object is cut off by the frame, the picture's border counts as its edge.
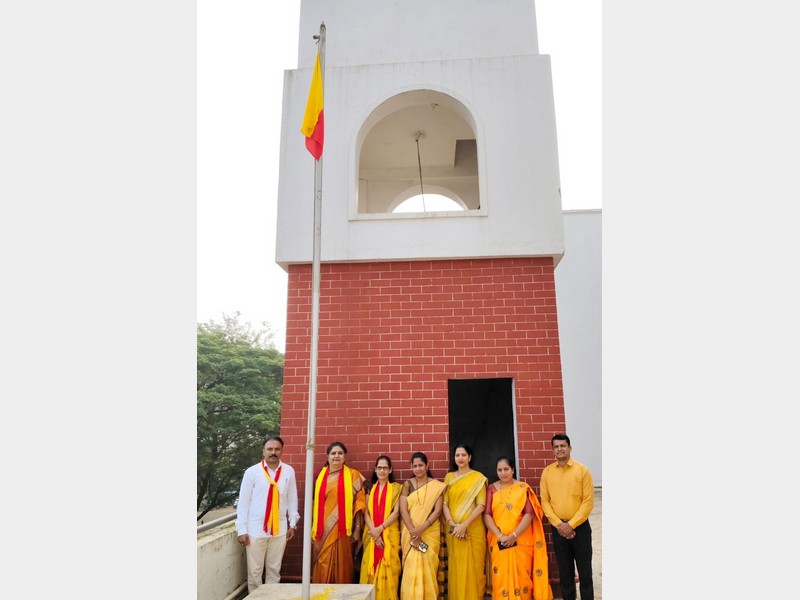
(239, 382)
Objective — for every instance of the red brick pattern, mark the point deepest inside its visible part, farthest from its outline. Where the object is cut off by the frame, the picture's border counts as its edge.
(391, 334)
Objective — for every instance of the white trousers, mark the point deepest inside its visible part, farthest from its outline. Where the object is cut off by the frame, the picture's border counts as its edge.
(264, 555)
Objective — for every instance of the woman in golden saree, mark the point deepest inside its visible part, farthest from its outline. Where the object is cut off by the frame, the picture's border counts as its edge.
(420, 508)
(464, 501)
(380, 564)
(337, 516)
(513, 518)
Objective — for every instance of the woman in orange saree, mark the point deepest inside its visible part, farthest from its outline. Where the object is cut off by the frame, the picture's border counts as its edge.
(338, 508)
(420, 508)
(513, 518)
(380, 564)
(464, 501)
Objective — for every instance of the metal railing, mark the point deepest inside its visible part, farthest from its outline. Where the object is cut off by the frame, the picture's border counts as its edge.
(216, 522)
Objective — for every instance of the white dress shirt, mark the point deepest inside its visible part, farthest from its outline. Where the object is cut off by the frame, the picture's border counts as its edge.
(252, 506)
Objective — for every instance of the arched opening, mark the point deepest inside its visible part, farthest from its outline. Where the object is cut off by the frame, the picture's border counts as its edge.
(418, 140)
(426, 203)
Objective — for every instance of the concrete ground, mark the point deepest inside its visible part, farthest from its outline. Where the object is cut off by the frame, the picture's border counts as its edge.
(596, 520)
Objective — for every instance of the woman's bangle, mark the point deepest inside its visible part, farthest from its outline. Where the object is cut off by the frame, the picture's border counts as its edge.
(514, 533)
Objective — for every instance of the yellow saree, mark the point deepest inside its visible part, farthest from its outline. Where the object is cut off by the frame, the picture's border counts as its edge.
(386, 576)
(466, 559)
(520, 571)
(420, 568)
(333, 554)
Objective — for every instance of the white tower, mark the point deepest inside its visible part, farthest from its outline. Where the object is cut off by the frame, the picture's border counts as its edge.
(434, 327)
(463, 76)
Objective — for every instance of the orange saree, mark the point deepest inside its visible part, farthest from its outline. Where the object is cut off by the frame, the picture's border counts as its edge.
(333, 551)
(520, 571)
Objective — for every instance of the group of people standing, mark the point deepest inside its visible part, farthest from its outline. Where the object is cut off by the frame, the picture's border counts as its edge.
(430, 539)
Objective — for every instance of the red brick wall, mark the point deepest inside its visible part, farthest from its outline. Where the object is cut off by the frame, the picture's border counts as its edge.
(391, 335)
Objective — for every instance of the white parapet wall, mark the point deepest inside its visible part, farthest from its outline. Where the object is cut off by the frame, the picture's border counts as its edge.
(221, 563)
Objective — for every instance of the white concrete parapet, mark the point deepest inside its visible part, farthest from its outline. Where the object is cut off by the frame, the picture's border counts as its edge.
(221, 563)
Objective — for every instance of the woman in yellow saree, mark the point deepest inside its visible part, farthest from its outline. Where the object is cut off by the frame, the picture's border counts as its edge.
(464, 501)
(338, 509)
(420, 508)
(380, 564)
(513, 518)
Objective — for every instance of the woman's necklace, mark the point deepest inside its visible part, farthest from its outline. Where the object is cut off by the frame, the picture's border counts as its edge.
(504, 498)
(423, 496)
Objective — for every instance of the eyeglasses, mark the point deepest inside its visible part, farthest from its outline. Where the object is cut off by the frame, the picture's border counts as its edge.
(382, 468)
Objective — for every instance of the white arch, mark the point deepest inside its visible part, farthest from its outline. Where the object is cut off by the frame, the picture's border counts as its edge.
(400, 97)
(407, 97)
(430, 190)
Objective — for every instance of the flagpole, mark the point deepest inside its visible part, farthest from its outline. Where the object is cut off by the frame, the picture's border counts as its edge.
(312, 375)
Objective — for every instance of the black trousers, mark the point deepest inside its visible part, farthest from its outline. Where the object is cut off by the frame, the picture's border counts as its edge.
(569, 553)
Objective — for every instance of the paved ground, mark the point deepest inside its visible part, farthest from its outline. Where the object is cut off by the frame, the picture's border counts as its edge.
(597, 537)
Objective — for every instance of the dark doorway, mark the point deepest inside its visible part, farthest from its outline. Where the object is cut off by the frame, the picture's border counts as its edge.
(481, 415)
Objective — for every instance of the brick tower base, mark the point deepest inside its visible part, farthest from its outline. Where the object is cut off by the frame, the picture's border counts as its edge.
(391, 335)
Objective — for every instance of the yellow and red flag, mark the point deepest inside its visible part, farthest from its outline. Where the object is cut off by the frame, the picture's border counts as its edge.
(313, 121)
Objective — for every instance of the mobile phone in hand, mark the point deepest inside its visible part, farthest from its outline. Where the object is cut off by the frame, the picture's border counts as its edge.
(501, 547)
(422, 547)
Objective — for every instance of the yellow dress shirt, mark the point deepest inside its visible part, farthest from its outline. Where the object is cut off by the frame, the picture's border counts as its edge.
(567, 493)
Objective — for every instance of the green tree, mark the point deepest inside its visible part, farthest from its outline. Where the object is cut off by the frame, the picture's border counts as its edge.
(239, 382)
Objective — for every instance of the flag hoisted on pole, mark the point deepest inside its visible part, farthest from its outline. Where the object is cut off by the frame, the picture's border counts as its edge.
(314, 119)
(313, 129)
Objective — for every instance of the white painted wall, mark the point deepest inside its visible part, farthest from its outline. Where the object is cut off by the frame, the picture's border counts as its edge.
(579, 301)
(486, 59)
(367, 32)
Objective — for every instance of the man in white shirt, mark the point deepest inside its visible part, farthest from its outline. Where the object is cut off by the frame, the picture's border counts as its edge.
(267, 486)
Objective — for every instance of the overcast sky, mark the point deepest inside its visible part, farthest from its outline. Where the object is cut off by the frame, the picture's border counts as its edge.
(243, 49)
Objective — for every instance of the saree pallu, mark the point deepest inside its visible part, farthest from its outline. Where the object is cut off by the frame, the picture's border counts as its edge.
(420, 569)
(386, 577)
(466, 559)
(520, 571)
(334, 561)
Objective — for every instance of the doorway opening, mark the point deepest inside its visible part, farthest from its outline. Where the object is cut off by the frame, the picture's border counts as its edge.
(481, 415)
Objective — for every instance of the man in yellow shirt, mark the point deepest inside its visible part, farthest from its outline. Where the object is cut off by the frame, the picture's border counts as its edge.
(567, 493)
